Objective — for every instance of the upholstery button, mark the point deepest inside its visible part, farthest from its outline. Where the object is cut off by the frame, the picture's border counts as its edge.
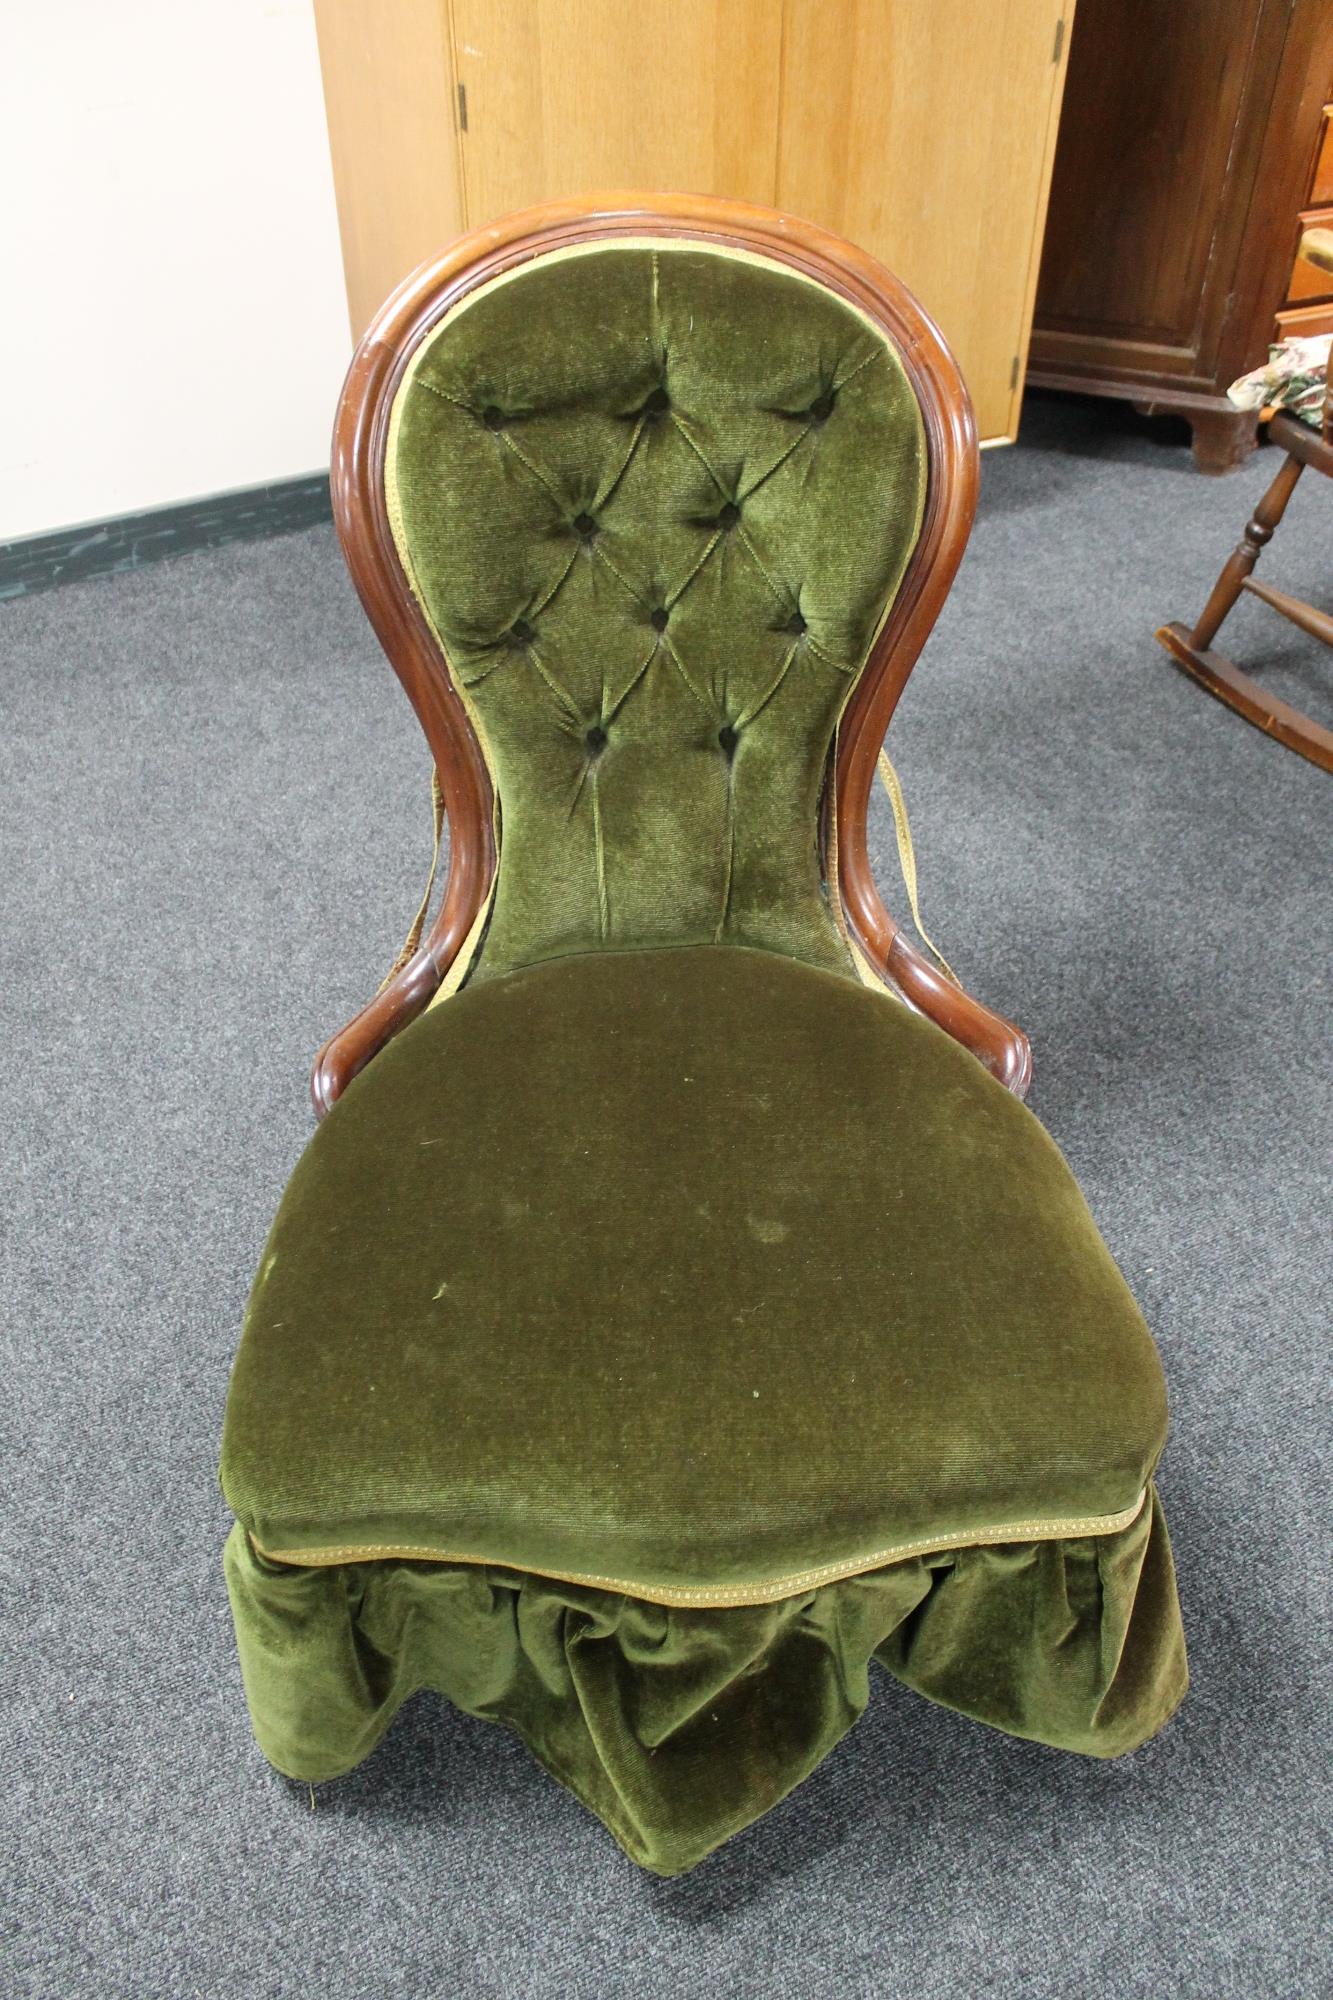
(493, 418)
(657, 403)
(728, 739)
(522, 632)
(822, 408)
(795, 624)
(658, 619)
(596, 738)
(729, 515)
(584, 525)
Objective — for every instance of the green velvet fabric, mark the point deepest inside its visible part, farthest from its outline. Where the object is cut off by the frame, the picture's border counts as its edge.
(664, 1257)
(679, 1727)
(686, 1268)
(655, 502)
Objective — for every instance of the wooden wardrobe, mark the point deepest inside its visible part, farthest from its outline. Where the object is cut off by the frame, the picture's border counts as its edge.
(923, 130)
(1187, 168)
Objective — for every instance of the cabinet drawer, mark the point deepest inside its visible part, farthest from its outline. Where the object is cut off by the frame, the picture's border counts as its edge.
(1301, 320)
(1312, 272)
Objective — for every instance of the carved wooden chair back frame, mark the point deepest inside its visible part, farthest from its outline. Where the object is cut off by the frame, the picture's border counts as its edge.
(361, 514)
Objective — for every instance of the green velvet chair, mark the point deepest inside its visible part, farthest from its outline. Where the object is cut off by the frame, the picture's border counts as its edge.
(677, 1308)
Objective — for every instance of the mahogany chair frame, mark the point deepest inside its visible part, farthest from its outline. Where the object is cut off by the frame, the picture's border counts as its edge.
(360, 509)
(1193, 649)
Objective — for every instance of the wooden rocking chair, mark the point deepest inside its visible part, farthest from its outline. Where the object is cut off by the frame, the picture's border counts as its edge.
(1193, 649)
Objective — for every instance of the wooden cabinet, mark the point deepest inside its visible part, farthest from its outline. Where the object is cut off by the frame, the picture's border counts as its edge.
(922, 129)
(1191, 142)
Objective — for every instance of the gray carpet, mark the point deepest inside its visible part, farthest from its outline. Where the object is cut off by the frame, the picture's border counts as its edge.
(215, 816)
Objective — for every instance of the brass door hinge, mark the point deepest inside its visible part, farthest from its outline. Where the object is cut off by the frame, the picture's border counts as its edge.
(462, 107)
(1059, 39)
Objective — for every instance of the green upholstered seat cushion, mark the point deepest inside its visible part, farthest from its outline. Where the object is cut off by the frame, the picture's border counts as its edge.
(655, 501)
(683, 1270)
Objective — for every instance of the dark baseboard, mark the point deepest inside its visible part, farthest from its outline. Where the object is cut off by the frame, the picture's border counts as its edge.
(109, 548)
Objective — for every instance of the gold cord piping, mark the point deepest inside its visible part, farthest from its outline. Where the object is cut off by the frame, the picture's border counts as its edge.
(1076, 1528)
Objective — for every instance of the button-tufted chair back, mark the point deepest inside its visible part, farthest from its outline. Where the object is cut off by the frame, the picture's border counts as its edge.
(654, 499)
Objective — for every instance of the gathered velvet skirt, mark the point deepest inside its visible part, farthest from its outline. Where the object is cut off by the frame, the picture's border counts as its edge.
(678, 1727)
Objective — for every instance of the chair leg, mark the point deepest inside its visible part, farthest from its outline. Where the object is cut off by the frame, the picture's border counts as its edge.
(1258, 533)
(1222, 677)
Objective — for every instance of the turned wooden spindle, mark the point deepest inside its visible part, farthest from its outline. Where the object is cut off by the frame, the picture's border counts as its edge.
(1258, 533)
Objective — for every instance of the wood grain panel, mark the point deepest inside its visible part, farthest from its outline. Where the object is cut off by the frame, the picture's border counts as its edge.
(925, 132)
(1134, 211)
(564, 95)
(1321, 183)
(388, 91)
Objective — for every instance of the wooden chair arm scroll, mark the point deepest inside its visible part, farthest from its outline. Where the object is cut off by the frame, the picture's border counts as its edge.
(951, 499)
(346, 1053)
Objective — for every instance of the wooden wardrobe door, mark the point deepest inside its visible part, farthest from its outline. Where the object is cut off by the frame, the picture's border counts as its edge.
(389, 96)
(565, 96)
(1143, 162)
(1188, 156)
(924, 130)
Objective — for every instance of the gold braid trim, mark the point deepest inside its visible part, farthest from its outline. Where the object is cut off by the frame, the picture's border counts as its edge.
(907, 861)
(1079, 1527)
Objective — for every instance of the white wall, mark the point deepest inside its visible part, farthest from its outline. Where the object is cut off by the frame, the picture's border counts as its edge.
(172, 314)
